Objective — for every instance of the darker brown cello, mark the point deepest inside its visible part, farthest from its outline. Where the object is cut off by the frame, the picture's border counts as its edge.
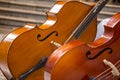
(23, 48)
(98, 60)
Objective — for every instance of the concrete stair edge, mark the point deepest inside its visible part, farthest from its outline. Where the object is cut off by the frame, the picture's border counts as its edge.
(113, 6)
(21, 19)
(22, 11)
(40, 4)
(107, 13)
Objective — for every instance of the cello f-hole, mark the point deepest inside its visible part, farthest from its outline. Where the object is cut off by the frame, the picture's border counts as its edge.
(39, 35)
(91, 58)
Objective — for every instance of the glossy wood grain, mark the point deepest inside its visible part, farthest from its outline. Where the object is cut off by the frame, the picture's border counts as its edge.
(77, 59)
(24, 47)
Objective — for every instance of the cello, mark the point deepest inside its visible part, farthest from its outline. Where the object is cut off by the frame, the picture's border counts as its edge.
(24, 47)
(98, 60)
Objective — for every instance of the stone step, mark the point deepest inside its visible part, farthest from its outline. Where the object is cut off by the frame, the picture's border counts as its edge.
(22, 13)
(40, 3)
(112, 8)
(28, 5)
(8, 28)
(1, 74)
(105, 14)
(4, 30)
(17, 21)
(18, 12)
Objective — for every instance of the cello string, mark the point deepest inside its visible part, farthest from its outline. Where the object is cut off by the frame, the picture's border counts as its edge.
(108, 75)
(108, 71)
(86, 21)
(104, 75)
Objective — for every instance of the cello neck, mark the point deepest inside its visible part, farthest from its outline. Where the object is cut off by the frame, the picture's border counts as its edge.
(87, 20)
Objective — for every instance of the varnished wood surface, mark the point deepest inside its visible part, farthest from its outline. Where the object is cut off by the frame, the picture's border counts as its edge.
(30, 50)
(71, 62)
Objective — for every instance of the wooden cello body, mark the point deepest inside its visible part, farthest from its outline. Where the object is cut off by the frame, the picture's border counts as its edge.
(22, 49)
(98, 60)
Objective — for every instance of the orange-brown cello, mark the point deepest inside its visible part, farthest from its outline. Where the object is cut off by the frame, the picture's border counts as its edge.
(23, 48)
(98, 60)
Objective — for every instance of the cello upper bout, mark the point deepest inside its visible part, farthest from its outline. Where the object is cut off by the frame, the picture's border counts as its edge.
(52, 15)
